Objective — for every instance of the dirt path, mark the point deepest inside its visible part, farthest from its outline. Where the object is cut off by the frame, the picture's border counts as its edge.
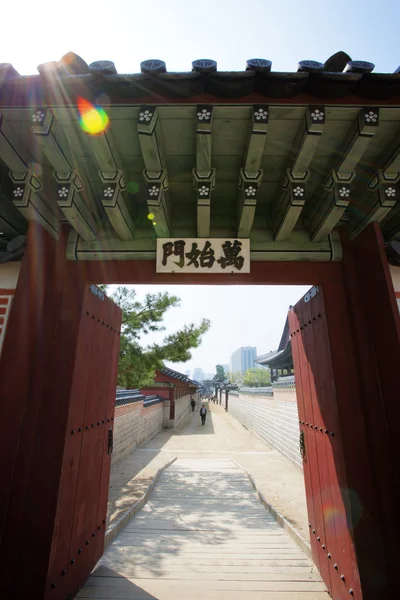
(279, 480)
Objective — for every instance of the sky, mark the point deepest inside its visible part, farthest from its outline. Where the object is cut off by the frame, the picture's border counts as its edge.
(180, 31)
(239, 315)
(230, 32)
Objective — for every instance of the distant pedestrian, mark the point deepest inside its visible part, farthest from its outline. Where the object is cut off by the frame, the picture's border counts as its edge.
(203, 414)
(193, 404)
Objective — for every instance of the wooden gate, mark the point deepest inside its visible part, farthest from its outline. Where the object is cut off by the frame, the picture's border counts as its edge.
(327, 492)
(78, 538)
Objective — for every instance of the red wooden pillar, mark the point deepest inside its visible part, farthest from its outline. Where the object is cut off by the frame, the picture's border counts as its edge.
(36, 369)
(375, 327)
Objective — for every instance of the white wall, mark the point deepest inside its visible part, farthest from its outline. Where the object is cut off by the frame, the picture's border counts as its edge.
(9, 273)
(274, 419)
(134, 425)
(395, 273)
(182, 409)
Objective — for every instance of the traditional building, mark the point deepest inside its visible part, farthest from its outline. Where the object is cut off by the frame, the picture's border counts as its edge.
(177, 390)
(251, 177)
(280, 362)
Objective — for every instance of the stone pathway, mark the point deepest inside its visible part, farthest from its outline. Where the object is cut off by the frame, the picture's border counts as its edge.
(204, 534)
(280, 481)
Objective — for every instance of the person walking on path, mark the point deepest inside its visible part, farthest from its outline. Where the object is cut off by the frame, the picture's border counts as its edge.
(193, 404)
(203, 414)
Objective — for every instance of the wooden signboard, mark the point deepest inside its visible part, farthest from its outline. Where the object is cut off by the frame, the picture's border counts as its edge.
(203, 255)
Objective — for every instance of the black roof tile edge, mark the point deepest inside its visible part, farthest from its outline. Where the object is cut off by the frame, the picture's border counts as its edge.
(179, 376)
(265, 391)
(151, 400)
(284, 382)
(131, 396)
(38, 90)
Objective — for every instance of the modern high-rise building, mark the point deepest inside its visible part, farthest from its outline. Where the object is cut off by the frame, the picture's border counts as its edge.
(243, 359)
(198, 374)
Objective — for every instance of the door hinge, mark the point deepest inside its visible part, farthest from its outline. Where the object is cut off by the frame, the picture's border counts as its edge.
(311, 293)
(302, 445)
(110, 441)
(96, 291)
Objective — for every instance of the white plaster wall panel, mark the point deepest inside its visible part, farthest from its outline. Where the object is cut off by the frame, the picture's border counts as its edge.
(277, 425)
(182, 409)
(9, 273)
(135, 425)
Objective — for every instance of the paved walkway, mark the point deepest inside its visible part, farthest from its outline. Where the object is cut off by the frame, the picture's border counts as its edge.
(204, 535)
(280, 481)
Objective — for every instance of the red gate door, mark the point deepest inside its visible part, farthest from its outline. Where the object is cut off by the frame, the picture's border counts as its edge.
(327, 491)
(78, 538)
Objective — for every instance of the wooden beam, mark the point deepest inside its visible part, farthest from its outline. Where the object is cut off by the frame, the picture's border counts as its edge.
(289, 208)
(384, 196)
(26, 197)
(112, 177)
(43, 127)
(291, 202)
(12, 223)
(313, 128)
(114, 204)
(27, 194)
(155, 172)
(74, 208)
(69, 185)
(150, 139)
(297, 248)
(123, 272)
(203, 189)
(251, 174)
(10, 154)
(203, 174)
(334, 202)
(364, 129)
(392, 166)
(158, 208)
(328, 211)
(204, 118)
(256, 140)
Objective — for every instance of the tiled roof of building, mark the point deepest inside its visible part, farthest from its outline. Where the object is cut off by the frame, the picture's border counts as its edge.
(284, 349)
(179, 376)
(337, 77)
(285, 160)
(130, 396)
(276, 357)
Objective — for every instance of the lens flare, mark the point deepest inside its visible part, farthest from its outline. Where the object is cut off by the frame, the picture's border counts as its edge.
(93, 119)
(334, 518)
(132, 187)
(150, 216)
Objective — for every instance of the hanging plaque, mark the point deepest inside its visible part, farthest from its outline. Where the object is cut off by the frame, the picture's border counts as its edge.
(203, 255)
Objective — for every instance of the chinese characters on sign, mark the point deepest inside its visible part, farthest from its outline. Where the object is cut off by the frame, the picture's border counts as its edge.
(203, 255)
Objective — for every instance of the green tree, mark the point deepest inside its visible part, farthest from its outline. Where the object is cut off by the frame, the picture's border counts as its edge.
(257, 378)
(137, 362)
(220, 376)
(236, 377)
